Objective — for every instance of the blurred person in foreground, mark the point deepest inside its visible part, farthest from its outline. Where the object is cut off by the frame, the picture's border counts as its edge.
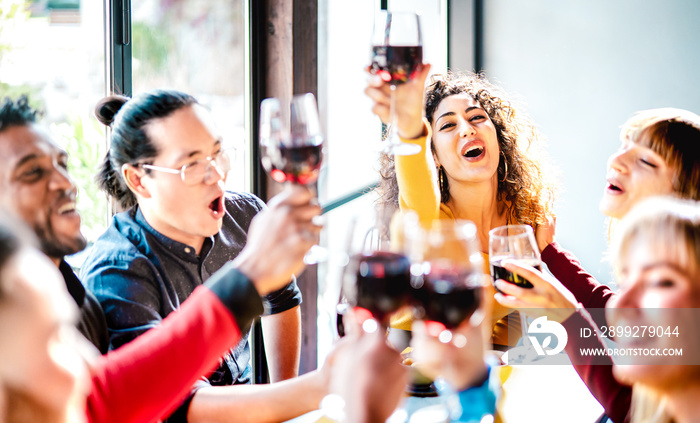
(657, 254)
(50, 373)
(368, 385)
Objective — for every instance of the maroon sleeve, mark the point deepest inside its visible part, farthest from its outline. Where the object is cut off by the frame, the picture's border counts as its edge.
(596, 370)
(566, 267)
(147, 378)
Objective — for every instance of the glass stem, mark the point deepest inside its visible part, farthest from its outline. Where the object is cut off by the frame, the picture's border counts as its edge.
(393, 118)
(523, 328)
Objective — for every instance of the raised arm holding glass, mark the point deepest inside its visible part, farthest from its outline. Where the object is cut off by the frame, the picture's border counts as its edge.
(167, 165)
(478, 161)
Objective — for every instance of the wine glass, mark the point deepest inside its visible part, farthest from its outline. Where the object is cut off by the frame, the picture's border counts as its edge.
(515, 242)
(377, 278)
(449, 267)
(294, 153)
(448, 282)
(397, 54)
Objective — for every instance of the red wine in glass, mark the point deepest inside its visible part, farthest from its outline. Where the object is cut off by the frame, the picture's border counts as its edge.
(299, 162)
(450, 295)
(500, 272)
(382, 282)
(395, 64)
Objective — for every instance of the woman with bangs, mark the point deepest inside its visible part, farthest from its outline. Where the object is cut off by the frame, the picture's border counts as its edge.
(479, 161)
(658, 156)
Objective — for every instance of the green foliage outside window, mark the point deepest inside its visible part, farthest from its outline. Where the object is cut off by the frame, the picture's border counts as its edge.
(12, 12)
(86, 149)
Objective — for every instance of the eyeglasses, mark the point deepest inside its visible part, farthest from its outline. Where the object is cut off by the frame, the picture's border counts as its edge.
(200, 170)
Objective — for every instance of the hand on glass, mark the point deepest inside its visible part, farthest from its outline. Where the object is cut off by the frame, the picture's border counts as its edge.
(547, 296)
(292, 148)
(409, 100)
(278, 239)
(460, 366)
(368, 375)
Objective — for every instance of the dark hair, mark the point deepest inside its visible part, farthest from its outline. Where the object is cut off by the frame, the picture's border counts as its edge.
(129, 142)
(522, 181)
(17, 113)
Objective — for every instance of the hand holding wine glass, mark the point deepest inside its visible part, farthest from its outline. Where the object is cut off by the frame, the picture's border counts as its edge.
(409, 102)
(461, 367)
(397, 55)
(377, 279)
(515, 242)
(293, 154)
(548, 297)
(449, 264)
(448, 339)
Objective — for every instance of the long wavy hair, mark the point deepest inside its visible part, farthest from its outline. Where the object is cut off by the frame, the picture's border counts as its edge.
(524, 186)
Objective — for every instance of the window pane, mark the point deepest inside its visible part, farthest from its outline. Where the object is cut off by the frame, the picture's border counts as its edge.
(197, 46)
(353, 133)
(54, 52)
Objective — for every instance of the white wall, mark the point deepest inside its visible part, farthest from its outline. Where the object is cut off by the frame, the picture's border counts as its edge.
(583, 67)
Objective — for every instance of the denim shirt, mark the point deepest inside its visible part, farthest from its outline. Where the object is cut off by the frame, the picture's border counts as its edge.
(140, 276)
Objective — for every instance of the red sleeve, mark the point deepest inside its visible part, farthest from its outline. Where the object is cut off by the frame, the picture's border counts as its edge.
(566, 267)
(596, 370)
(147, 378)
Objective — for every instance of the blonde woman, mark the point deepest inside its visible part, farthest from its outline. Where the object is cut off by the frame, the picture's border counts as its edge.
(657, 250)
(658, 156)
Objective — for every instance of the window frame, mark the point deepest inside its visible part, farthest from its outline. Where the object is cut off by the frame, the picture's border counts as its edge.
(278, 63)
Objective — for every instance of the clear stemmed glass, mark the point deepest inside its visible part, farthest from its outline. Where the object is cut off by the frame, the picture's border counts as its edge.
(377, 278)
(448, 277)
(397, 54)
(449, 267)
(515, 242)
(293, 153)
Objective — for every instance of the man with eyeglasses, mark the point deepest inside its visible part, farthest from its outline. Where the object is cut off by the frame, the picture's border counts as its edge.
(199, 170)
(182, 225)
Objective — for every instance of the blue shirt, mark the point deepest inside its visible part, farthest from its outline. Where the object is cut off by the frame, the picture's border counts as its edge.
(140, 276)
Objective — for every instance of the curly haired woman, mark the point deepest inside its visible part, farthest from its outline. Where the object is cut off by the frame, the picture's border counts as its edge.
(479, 161)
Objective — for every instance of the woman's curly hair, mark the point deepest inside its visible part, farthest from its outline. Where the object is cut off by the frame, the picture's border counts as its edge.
(522, 181)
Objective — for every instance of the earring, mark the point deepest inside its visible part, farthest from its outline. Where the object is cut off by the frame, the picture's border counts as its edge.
(505, 170)
(443, 185)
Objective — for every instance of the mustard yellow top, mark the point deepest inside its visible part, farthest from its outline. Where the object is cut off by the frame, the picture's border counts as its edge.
(419, 192)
